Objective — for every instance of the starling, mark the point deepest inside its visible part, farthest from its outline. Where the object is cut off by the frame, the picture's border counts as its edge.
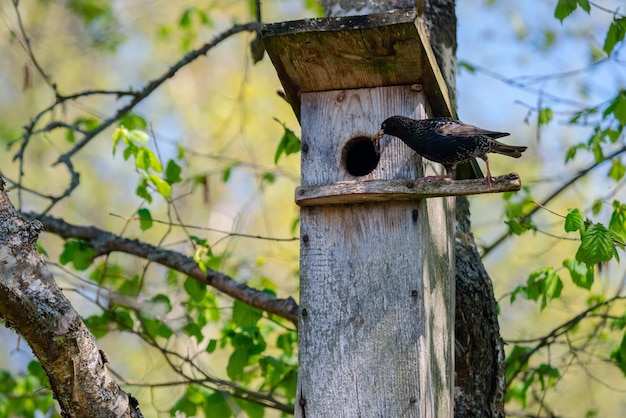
(447, 141)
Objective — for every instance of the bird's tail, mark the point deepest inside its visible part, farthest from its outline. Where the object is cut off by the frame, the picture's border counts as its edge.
(509, 150)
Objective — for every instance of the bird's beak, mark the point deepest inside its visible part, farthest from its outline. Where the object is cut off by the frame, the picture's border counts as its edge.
(376, 139)
(378, 135)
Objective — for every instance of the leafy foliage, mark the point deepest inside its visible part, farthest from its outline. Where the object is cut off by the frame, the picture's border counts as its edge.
(289, 144)
(254, 353)
(27, 394)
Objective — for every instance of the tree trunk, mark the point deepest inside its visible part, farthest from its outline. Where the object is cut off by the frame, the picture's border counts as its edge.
(33, 305)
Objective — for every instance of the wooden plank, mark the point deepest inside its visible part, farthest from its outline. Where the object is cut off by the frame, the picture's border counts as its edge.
(350, 52)
(349, 192)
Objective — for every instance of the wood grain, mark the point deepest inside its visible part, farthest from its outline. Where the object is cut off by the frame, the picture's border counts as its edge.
(376, 279)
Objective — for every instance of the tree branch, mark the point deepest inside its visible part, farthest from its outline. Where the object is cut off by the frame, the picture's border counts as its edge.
(105, 242)
(554, 194)
(552, 336)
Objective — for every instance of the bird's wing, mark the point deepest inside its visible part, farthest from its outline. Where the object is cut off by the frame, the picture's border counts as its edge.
(460, 129)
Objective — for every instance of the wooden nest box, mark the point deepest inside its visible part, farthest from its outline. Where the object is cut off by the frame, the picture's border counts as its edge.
(376, 316)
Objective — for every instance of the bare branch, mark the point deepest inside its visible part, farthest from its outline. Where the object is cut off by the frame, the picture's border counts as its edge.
(105, 242)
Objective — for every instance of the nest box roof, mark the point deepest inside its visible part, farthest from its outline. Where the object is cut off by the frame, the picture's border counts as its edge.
(335, 53)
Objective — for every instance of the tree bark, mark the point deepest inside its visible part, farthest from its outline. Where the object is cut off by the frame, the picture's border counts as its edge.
(34, 306)
(479, 349)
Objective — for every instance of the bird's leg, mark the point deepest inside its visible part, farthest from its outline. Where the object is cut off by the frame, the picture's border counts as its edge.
(488, 172)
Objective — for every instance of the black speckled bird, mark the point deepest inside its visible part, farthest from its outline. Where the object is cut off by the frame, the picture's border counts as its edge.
(447, 141)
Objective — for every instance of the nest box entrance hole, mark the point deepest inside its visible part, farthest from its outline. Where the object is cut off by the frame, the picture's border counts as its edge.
(359, 156)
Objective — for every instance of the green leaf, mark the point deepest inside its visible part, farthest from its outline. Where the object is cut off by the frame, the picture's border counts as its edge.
(172, 172)
(86, 123)
(216, 406)
(245, 315)
(129, 151)
(195, 289)
(617, 224)
(130, 286)
(466, 65)
(237, 361)
(584, 4)
(185, 18)
(543, 283)
(294, 225)
(78, 253)
(545, 116)
(118, 134)
(137, 136)
(253, 410)
(268, 177)
(145, 219)
(286, 343)
(145, 159)
(565, 8)
(211, 346)
(36, 370)
(193, 330)
(123, 320)
(615, 34)
(581, 274)
(597, 245)
(618, 355)
(162, 187)
(517, 360)
(289, 143)
(574, 221)
(227, 172)
(518, 228)
(618, 108)
(596, 207)
(571, 152)
(617, 170)
(143, 192)
(163, 300)
(133, 121)
(156, 328)
(90, 10)
(546, 375)
(189, 409)
(98, 325)
(41, 250)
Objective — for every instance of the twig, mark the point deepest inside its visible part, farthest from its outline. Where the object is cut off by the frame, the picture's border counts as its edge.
(234, 234)
(554, 334)
(154, 84)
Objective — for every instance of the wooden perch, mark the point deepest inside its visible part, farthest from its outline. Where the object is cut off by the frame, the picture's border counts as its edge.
(347, 192)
